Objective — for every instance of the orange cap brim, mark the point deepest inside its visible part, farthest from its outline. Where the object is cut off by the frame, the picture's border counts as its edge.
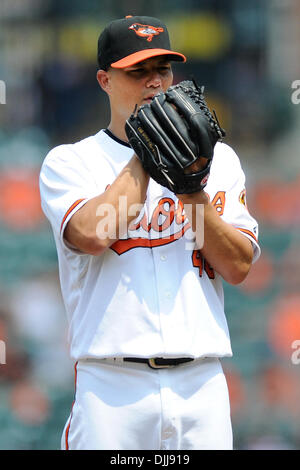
(139, 56)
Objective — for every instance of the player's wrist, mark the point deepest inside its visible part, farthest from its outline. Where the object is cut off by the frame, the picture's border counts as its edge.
(137, 172)
(138, 164)
(200, 197)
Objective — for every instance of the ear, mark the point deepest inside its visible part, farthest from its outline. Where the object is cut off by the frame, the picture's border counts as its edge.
(103, 79)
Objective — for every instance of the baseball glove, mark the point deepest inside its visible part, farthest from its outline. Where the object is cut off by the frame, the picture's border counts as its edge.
(171, 133)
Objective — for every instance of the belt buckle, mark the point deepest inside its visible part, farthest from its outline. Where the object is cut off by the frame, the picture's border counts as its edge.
(153, 364)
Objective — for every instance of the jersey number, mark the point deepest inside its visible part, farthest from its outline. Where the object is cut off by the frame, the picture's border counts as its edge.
(219, 202)
(201, 263)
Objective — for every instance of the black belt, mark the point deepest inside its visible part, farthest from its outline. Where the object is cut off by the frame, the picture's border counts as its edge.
(159, 362)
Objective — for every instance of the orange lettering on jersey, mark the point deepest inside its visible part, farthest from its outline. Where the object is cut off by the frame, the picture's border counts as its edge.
(164, 215)
(121, 246)
(219, 202)
(180, 217)
(142, 223)
(167, 213)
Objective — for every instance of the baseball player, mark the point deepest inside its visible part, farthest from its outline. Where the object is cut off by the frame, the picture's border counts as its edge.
(140, 277)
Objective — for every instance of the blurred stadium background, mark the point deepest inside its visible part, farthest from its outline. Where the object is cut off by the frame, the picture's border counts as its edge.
(246, 53)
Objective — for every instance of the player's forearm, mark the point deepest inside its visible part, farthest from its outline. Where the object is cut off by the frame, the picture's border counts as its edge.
(228, 251)
(126, 196)
(105, 218)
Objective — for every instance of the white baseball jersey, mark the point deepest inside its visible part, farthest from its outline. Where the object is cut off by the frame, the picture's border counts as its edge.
(151, 294)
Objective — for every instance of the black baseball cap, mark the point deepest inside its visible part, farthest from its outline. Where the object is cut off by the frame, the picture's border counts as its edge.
(133, 39)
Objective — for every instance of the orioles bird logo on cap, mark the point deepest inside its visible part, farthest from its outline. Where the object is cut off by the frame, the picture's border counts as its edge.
(145, 30)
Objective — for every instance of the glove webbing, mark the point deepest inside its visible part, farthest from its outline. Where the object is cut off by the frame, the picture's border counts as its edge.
(197, 96)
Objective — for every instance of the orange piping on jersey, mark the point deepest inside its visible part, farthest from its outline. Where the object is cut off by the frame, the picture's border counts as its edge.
(248, 233)
(69, 211)
(121, 246)
(68, 427)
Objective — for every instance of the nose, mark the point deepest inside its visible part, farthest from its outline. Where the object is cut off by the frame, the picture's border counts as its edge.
(154, 80)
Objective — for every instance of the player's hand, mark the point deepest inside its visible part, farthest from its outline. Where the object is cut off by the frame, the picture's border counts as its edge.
(174, 137)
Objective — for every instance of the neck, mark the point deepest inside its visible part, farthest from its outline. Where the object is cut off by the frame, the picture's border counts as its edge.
(118, 129)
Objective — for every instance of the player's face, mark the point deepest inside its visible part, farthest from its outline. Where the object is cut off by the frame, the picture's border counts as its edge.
(138, 84)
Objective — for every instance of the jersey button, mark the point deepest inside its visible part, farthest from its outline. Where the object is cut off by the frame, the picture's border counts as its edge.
(163, 257)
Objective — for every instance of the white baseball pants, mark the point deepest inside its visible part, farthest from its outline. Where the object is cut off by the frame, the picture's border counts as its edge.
(128, 406)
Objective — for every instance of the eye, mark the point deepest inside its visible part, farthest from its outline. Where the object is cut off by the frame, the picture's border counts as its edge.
(137, 71)
(164, 69)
